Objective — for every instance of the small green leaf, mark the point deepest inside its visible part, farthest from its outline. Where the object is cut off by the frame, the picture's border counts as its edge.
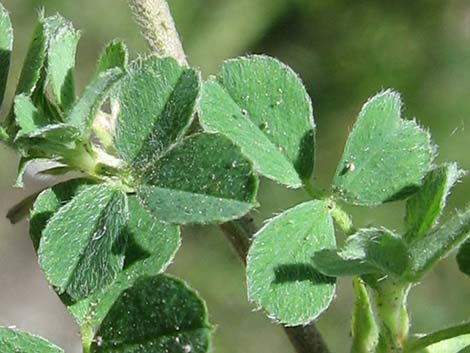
(454, 345)
(156, 106)
(263, 107)
(341, 263)
(157, 315)
(368, 251)
(280, 276)
(150, 248)
(428, 250)
(4, 135)
(203, 179)
(12, 340)
(6, 46)
(63, 134)
(85, 108)
(463, 258)
(48, 203)
(364, 329)
(61, 62)
(35, 60)
(35, 75)
(114, 55)
(27, 116)
(22, 166)
(385, 157)
(81, 251)
(424, 208)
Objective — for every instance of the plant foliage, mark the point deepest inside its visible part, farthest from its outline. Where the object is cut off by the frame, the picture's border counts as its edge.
(156, 148)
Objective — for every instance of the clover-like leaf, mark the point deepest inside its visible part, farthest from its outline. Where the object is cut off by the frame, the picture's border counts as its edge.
(156, 102)
(83, 113)
(80, 250)
(463, 258)
(263, 107)
(49, 201)
(12, 340)
(150, 248)
(385, 157)
(114, 55)
(428, 250)
(27, 116)
(368, 251)
(424, 208)
(203, 179)
(6, 46)
(35, 60)
(157, 315)
(61, 52)
(280, 276)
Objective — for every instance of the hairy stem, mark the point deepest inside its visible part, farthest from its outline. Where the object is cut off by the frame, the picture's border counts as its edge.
(158, 28)
(305, 339)
(418, 344)
(87, 338)
(342, 219)
(390, 300)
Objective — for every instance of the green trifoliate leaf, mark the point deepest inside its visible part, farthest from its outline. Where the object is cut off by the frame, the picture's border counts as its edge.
(6, 46)
(156, 106)
(150, 248)
(15, 341)
(262, 106)
(81, 251)
(61, 62)
(428, 250)
(85, 108)
(157, 315)
(48, 203)
(368, 251)
(364, 329)
(385, 157)
(114, 55)
(280, 276)
(463, 258)
(424, 208)
(203, 179)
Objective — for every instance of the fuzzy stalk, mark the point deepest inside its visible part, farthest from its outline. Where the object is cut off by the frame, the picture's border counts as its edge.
(390, 301)
(158, 28)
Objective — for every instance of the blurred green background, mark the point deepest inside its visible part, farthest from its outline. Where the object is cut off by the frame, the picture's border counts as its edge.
(345, 51)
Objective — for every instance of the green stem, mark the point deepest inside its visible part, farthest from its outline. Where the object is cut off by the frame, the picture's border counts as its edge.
(87, 338)
(417, 344)
(158, 28)
(342, 219)
(314, 191)
(390, 300)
